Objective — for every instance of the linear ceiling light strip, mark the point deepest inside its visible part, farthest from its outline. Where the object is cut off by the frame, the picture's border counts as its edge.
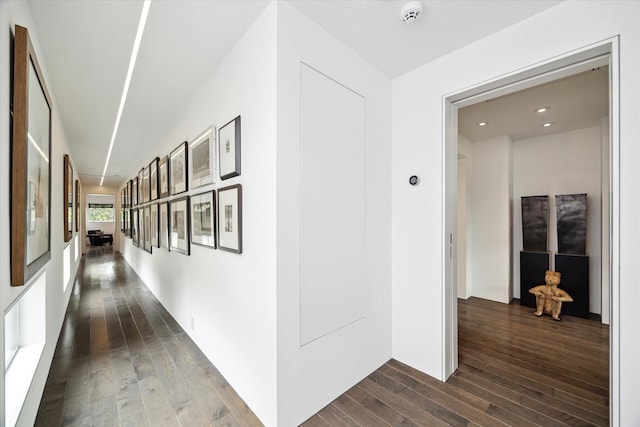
(132, 64)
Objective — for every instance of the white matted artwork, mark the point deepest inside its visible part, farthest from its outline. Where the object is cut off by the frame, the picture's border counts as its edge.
(179, 225)
(202, 154)
(178, 169)
(203, 219)
(229, 218)
(163, 222)
(229, 149)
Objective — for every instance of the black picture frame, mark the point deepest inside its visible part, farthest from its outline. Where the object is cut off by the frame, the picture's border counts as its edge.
(178, 167)
(135, 227)
(154, 225)
(163, 177)
(229, 218)
(77, 198)
(68, 199)
(153, 179)
(202, 165)
(179, 226)
(203, 224)
(229, 149)
(163, 225)
(135, 200)
(145, 228)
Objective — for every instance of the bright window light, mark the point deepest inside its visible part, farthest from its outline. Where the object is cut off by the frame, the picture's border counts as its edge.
(127, 82)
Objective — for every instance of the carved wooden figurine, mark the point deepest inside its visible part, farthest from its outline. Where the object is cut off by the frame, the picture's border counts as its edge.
(549, 297)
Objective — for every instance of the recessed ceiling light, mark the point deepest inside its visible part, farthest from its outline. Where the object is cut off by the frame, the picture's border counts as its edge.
(542, 109)
(548, 124)
(481, 124)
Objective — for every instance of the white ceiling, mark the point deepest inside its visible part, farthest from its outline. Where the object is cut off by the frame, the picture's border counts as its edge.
(86, 46)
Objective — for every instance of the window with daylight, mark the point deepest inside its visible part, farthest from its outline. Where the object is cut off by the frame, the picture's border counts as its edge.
(100, 212)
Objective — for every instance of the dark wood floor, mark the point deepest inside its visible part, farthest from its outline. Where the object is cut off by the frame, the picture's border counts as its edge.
(123, 360)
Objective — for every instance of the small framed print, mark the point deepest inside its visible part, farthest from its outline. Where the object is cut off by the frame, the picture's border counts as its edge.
(77, 205)
(178, 169)
(229, 149)
(141, 192)
(153, 179)
(153, 233)
(145, 234)
(202, 163)
(127, 222)
(134, 192)
(179, 225)
(163, 177)
(68, 199)
(145, 186)
(229, 218)
(202, 219)
(135, 227)
(163, 225)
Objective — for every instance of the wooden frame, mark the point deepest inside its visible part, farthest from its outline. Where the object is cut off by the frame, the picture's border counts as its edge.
(229, 218)
(202, 154)
(179, 225)
(203, 223)
(77, 189)
(178, 177)
(163, 225)
(30, 166)
(163, 177)
(153, 179)
(229, 149)
(68, 199)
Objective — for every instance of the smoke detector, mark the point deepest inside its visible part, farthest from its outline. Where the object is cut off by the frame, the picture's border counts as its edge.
(411, 11)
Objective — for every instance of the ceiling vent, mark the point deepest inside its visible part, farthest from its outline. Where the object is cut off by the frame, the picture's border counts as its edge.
(411, 11)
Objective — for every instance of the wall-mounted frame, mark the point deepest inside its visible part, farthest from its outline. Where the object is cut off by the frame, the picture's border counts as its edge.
(202, 156)
(145, 228)
(163, 177)
(163, 225)
(77, 193)
(229, 218)
(134, 192)
(178, 169)
(68, 199)
(203, 219)
(229, 149)
(127, 222)
(143, 185)
(135, 227)
(179, 225)
(153, 233)
(30, 166)
(153, 179)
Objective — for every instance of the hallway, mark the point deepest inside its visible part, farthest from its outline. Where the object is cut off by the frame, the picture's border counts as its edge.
(123, 360)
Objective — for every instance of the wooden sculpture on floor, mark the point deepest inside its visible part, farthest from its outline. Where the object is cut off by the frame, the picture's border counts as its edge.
(549, 297)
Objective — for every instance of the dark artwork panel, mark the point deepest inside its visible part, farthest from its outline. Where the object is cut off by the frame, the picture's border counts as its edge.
(572, 223)
(575, 281)
(533, 265)
(535, 219)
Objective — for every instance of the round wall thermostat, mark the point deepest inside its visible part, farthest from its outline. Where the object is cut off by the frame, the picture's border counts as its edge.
(414, 180)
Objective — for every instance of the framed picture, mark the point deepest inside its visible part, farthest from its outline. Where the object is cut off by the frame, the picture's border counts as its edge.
(134, 192)
(153, 179)
(179, 225)
(127, 222)
(143, 187)
(68, 199)
(153, 231)
(163, 225)
(202, 162)
(145, 228)
(178, 169)
(30, 166)
(229, 149)
(77, 205)
(229, 218)
(135, 231)
(202, 219)
(163, 177)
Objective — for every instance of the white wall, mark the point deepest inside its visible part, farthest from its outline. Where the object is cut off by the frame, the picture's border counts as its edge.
(417, 129)
(561, 163)
(490, 213)
(312, 375)
(12, 13)
(231, 298)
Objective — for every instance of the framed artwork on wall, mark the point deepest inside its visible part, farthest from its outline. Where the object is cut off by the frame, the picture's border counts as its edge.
(163, 225)
(135, 230)
(30, 166)
(178, 169)
(202, 219)
(229, 218)
(229, 149)
(127, 222)
(179, 225)
(202, 155)
(153, 233)
(153, 179)
(77, 205)
(134, 192)
(143, 179)
(68, 199)
(163, 177)
(145, 232)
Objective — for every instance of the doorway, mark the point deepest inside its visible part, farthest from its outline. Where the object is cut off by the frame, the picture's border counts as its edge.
(553, 70)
